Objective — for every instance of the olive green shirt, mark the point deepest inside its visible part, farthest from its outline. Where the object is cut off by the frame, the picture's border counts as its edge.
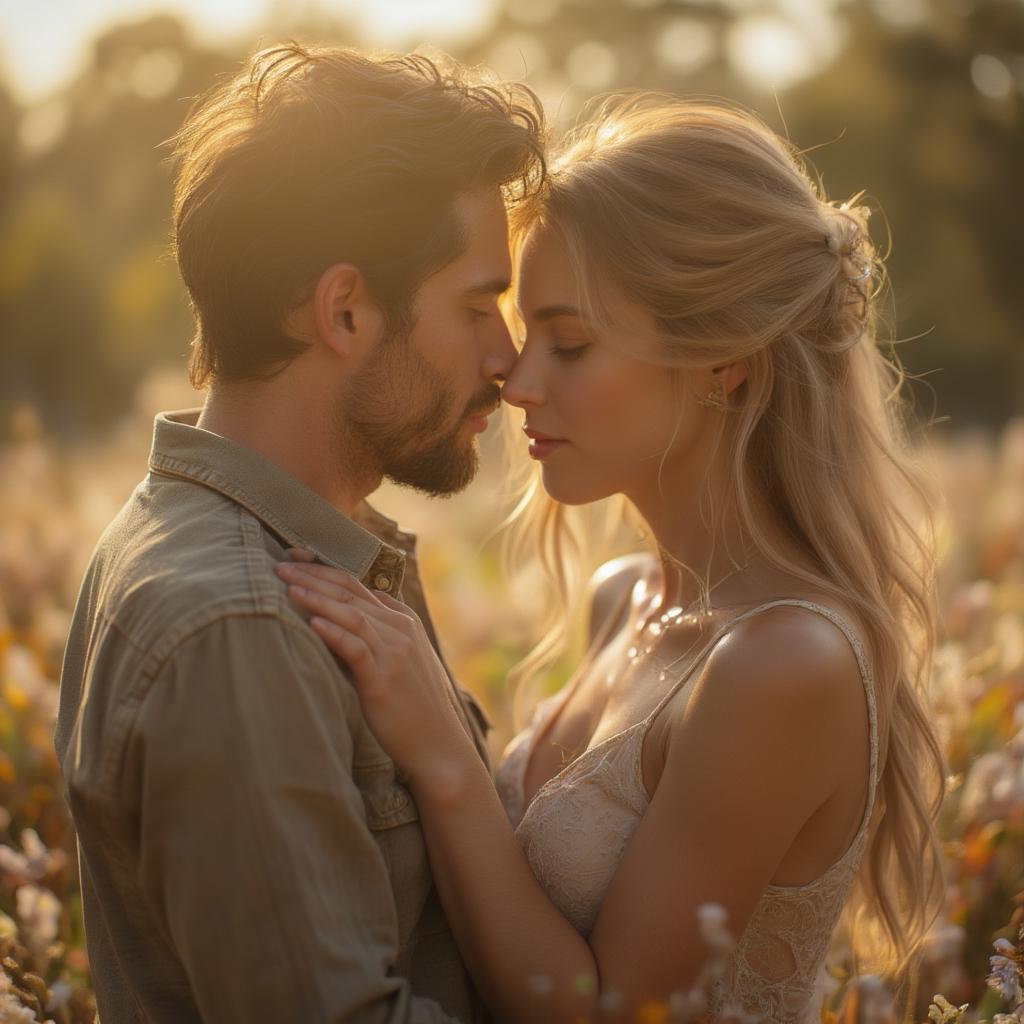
(247, 852)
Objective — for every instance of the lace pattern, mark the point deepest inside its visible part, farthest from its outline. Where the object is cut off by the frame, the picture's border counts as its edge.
(576, 828)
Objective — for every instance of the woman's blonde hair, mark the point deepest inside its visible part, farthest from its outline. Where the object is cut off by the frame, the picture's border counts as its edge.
(703, 215)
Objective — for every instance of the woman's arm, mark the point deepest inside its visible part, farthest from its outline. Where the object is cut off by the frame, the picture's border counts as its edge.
(733, 795)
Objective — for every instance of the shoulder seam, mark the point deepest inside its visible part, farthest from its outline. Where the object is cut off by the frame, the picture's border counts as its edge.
(133, 699)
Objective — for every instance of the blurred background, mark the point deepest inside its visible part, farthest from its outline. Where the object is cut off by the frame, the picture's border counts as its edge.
(918, 102)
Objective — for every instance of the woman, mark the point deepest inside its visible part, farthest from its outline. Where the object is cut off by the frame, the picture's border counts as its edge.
(747, 728)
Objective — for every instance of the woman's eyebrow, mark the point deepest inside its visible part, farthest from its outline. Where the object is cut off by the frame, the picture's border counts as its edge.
(551, 312)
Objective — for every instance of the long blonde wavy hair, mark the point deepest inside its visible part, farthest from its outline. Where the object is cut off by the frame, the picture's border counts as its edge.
(702, 214)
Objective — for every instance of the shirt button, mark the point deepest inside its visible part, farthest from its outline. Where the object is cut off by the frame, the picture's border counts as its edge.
(382, 582)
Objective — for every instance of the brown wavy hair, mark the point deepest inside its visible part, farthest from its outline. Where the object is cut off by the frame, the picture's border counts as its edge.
(311, 156)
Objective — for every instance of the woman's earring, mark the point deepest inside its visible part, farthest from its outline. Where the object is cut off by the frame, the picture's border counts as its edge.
(714, 399)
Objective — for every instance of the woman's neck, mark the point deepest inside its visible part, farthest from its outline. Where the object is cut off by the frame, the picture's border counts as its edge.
(721, 554)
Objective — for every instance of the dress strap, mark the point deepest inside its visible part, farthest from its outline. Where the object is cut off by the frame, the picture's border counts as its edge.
(858, 650)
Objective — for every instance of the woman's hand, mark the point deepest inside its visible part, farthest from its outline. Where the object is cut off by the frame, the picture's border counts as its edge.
(402, 686)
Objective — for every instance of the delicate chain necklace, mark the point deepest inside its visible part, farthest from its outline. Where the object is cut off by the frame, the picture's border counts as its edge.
(661, 625)
(657, 628)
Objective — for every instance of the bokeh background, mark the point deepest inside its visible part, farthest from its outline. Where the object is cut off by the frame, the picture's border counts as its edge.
(918, 102)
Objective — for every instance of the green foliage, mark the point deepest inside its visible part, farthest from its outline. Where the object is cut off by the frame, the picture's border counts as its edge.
(90, 301)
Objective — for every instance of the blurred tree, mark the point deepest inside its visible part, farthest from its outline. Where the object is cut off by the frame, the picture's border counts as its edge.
(89, 301)
(9, 115)
(944, 161)
(924, 112)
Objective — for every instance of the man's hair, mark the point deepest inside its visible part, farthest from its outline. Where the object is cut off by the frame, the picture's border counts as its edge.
(312, 156)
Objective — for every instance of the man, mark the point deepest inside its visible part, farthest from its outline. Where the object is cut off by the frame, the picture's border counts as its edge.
(246, 850)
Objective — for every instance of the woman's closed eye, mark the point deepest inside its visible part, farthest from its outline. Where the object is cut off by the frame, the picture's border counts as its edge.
(569, 351)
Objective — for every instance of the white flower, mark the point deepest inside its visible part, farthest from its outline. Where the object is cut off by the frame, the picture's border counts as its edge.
(711, 918)
(942, 1011)
(1017, 1017)
(13, 1012)
(39, 912)
(34, 862)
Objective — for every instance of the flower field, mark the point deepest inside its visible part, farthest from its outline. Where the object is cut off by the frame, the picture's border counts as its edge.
(54, 503)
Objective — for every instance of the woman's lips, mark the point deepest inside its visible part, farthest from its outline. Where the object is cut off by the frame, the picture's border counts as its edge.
(541, 446)
(542, 449)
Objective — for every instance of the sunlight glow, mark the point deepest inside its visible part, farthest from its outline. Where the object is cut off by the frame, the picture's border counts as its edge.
(398, 21)
(592, 66)
(768, 51)
(991, 77)
(686, 44)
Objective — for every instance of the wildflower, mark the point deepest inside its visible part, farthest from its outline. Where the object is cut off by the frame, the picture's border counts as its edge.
(874, 1001)
(712, 918)
(1006, 975)
(34, 862)
(688, 1005)
(942, 1011)
(12, 1012)
(39, 912)
(1017, 1017)
(60, 993)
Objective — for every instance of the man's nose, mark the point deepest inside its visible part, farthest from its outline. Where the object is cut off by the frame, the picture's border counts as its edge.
(501, 352)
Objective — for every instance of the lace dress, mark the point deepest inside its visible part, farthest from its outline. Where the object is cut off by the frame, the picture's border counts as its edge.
(576, 828)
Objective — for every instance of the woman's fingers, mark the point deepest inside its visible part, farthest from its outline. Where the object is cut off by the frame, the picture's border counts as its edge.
(300, 554)
(344, 586)
(352, 649)
(296, 576)
(302, 573)
(396, 606)
(340, 614)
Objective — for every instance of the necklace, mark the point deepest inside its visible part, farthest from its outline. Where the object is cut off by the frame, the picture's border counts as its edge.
(657, 628)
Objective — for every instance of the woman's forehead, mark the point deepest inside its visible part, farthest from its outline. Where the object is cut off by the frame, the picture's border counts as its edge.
(546, 276)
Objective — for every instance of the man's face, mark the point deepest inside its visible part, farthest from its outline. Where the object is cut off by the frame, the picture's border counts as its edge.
(418, 404)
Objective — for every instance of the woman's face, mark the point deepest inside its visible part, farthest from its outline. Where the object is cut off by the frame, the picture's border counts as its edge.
(599, 418)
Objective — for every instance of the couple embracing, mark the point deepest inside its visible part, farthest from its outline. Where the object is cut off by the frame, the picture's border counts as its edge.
(285, 804)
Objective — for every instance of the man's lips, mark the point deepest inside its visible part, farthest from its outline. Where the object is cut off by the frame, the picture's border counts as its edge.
(479, 418)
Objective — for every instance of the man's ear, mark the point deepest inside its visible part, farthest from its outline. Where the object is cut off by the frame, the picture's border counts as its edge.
(344, 315)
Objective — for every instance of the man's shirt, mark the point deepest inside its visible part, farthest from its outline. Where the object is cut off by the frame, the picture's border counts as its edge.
(246, 850)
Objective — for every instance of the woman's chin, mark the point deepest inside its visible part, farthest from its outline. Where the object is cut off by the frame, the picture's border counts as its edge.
(567, 491)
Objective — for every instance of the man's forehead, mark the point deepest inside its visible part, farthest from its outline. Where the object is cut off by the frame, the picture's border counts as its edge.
(484, 268)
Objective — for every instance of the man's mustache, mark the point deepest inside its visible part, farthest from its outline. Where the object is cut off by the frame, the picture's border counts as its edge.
(485, 401)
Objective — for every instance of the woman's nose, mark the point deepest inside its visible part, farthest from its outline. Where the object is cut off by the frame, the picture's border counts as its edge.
(522, 386)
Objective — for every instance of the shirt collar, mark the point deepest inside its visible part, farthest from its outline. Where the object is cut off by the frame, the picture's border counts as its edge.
(293, 511)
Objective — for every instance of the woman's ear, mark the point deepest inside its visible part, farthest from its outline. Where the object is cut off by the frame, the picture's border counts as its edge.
(731, 375)
(344, 315)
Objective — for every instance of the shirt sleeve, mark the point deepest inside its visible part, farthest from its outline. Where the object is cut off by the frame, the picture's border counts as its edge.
(254, 849)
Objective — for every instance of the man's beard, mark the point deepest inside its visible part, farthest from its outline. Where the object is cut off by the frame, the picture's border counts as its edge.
(412, 449)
